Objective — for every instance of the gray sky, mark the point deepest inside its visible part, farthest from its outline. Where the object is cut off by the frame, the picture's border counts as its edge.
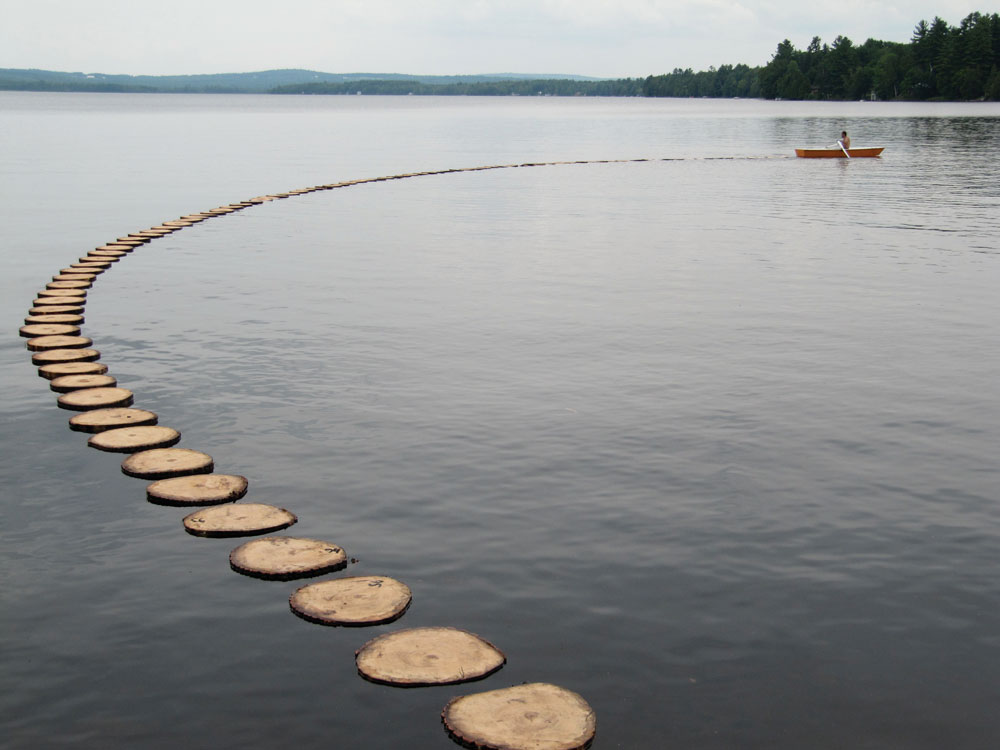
(604, 38)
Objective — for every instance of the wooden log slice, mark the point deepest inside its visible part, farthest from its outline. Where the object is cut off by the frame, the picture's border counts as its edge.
(95, 398)
(286, 557)
(132, 439)
(162, 463)
(65, 355)
(238, 519)
(93, 270)
(134, 238)
(33, 330)
(428, 656)
(74, 284)
(62, 293)
(155, 233)
(201, 489)
(75, 274)
(55, 309)
(61, 369)
(178, 223)
(352, 601)
(107, 253)
(49, 318)
(43, 343)
(92, 265)
(99, 259)
(67, 383)
(109, 419)
(114, 247)
(534, 716)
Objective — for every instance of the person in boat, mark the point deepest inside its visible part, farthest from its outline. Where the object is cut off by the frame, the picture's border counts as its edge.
(845, 139)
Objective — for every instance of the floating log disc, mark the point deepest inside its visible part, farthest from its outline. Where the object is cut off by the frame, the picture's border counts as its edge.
(94, 265)
(67, 383)
(353, 601)
(162, 463)
(121, 248)
(49, 329)
(286, 557)
(73, 284)
(61, 369)
(75, 274)
(535, 716)
(55, 309)
(202, 489)
(132, 439)
(132, 238)
(107, 253)
(102, 259)
(65, 355)
(81, 273)
(43, 343)
(238, 519)
(60, 293)
(49, 317)
(95, 398)
(109, 419)
(428, 656)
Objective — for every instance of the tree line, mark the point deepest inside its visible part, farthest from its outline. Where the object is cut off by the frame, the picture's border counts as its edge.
(940, 62)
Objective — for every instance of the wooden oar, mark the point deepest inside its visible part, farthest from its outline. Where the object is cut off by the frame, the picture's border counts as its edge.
(841, 144)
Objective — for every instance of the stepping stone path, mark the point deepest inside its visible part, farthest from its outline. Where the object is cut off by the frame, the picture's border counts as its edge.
(238, 519)
(428, 656)
(535, 716)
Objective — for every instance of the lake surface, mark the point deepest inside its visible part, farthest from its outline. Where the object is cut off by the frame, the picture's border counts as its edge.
(710, 439)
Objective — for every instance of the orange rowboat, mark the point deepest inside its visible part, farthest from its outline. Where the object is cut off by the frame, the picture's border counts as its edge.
(837, 152)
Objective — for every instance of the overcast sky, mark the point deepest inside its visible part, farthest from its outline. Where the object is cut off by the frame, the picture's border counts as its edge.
(602, 38)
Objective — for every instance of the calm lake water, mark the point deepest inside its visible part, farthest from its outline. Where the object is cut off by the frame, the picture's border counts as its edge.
(710, 439)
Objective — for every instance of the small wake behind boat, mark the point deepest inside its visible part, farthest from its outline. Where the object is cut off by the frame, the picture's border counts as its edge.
(835, 152)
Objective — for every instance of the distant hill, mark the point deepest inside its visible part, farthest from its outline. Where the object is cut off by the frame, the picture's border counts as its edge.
(27, 79)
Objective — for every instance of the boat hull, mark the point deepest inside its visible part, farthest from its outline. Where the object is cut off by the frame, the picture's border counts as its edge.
(837, 153)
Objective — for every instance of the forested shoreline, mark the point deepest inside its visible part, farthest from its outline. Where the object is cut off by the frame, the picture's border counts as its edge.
(939, 63)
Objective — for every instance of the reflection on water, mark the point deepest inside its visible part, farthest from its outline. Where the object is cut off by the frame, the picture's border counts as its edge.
(710, 442)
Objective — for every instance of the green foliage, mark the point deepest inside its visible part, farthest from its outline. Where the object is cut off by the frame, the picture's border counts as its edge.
(940, 62)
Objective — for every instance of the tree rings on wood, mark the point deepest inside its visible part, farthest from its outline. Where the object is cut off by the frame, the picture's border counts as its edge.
(108, 259)
(109, 419)
(61, 369)
(75, 274)
(238, 519)
(74, 284)
(74, 382)
(132, 439)
(95, 398)
(352, 601)
(43, 343)
(534, 716)
(117, 247)
(201, 489)
(73, 319)
(62, 293)
(65, 355)
(286, 557)
(48, 329)
(92, 265)
(107, 253)
(55, 309)
(162, 463)
(428, 656)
